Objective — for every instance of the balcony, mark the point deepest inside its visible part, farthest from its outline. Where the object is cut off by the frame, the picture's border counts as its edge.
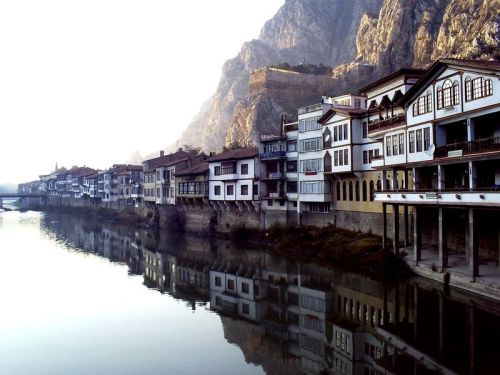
(271, 137)
(487, 197)
(378, 161)
(460, 149)
(382, 125)
(272, 155)
(275, 176)
(310, 108)
(280, 194)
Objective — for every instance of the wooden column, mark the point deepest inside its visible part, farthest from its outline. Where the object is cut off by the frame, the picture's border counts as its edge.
(384, 224)
(407, 232)
(442, 241)
(395, 228)
(472, 243)
(417, 234)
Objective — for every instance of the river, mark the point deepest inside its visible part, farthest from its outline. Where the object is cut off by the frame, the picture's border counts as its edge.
(84, 297)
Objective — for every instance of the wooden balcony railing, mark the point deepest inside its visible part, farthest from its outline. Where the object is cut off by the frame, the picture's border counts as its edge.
(463, 148)
(389, 123)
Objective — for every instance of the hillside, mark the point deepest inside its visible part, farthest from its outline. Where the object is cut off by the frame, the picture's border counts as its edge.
(361, 39)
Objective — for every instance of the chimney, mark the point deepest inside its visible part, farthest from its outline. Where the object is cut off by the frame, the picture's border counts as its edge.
(179, 149)
(162, 153)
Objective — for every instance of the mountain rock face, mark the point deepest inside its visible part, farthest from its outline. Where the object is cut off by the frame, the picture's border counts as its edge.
(362, 39)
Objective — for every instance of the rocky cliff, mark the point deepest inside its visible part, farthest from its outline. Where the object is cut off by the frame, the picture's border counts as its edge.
(362, 39)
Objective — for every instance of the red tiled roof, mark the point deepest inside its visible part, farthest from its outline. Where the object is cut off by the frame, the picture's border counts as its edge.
(411, 72)
(241, 153)
(353, 112)
(170, 159)
(200, 168)
(495, 65)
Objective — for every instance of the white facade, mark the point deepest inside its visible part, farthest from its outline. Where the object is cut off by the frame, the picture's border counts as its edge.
(234, 180)
(451, 137)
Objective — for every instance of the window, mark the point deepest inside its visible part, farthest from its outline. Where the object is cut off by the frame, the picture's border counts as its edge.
(256, 189)
(291, 146)
(309, 124)
(311, 144)
(427, 138)
(319, 207)
(312, 303)
(314, 187)
(245, 308)
(365, 157)
(350, 191)
(395, 147)
(244, 169)
(456, 93)
(411, 141)
(488, 87)
(158, 192)
(341, 157)
(311, 322)
(478, 88)
(356, 191)
(345, 131)
(228, 168)
(448, 95)
(217, 171)
(370, 156)
(365, 194)
(439, 98)
(372, 190)
(336, 158)
(335, 134)
(338, 190)
(291, 166)
(311, 165)
(291, 186)
(344, 191)
(365, 129)
(468, 89)
(401, 144)
(218, 281)
(230, 190)
(216, 190)
(388, 146)
(357, 103)
(245, 288)
(346, 157)
(419, 140)
(244, 189)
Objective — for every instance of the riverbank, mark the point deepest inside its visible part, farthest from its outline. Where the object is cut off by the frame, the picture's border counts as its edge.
(339, 248)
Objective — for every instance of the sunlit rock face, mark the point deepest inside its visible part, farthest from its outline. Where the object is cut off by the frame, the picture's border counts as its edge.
(362, 39)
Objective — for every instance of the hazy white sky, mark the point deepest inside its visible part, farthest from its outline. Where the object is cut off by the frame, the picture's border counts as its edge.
(89, 82)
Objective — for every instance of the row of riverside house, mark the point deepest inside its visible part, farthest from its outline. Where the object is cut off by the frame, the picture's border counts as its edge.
(416, 151)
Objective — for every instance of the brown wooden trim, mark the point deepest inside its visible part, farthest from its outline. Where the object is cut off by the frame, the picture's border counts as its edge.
(468, 112)
(383, 92)
(446, 77)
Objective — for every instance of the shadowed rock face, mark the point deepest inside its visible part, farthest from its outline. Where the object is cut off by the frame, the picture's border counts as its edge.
(362, 39)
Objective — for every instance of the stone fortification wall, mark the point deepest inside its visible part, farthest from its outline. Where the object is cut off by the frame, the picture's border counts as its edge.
(293, 88)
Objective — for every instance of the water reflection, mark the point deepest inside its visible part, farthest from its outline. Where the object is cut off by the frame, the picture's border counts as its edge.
(292, 317)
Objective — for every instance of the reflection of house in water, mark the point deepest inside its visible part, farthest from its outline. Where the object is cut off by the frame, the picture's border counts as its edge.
(303, 318)
(114, 242)
(236, 289)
